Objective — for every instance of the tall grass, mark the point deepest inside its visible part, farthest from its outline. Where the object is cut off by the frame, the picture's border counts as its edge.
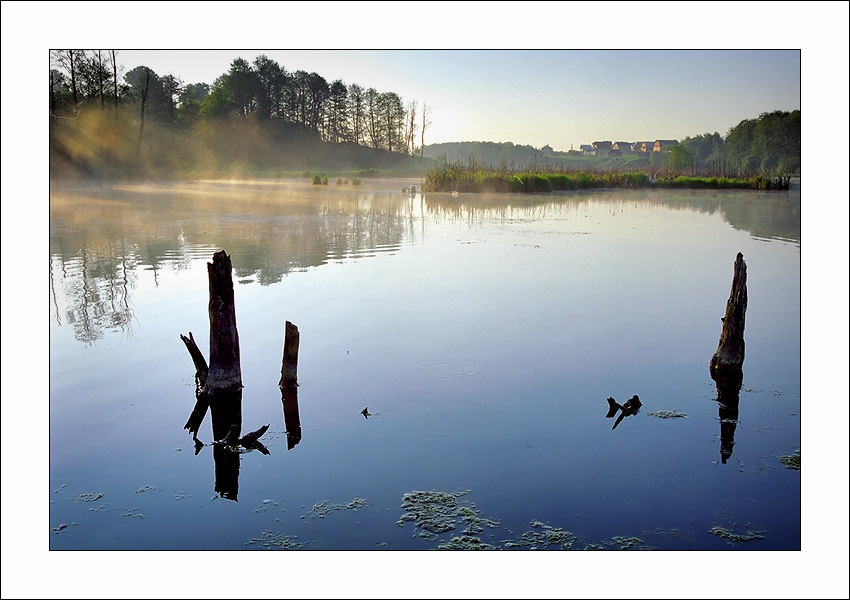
(459, 178)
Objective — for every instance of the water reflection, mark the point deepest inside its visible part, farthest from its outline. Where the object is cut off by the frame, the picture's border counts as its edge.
(291, 418)
(728, 397)
(102, 237)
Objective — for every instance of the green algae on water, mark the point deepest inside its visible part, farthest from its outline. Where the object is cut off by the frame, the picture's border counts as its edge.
(465, 542)
(668, 414)
(792, 461)
(732, 538)
(323, 508)
(438, 512)
(275, 541)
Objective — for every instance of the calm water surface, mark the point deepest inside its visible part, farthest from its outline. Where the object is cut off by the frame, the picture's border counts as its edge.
(483, 333)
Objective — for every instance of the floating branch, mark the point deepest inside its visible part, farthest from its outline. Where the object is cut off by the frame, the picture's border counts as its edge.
(201, 368)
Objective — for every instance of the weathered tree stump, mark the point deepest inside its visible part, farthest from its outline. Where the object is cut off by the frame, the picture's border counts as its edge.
(730, 351)
(225, 369)
(289, 366)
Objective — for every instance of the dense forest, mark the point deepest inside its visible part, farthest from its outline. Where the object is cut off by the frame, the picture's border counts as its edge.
(256, 118)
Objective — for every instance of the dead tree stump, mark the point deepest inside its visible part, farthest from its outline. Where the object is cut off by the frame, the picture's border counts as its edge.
(289, 366)
(730, 351)
(225, 369)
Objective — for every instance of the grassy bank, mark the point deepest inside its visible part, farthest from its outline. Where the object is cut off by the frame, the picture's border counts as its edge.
(456, 178)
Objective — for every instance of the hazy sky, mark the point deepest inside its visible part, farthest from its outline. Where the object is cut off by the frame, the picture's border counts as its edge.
(562, 98)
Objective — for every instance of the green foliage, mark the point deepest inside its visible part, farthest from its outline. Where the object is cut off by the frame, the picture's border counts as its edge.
(680, 159)
(317, 180)
(769, 144)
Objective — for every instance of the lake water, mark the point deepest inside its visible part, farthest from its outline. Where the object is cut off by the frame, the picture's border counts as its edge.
(483, 334)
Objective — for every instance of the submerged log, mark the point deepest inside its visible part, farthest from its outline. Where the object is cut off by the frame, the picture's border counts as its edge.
(289, 366)
(730, 351)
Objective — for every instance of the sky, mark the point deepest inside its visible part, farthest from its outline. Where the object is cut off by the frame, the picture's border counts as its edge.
(563, 98)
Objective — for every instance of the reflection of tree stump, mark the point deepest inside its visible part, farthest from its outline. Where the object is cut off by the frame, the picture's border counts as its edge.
(730, 351)
(728, 397)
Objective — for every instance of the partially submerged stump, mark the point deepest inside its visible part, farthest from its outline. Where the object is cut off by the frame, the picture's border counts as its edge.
(289, 365)
(225, 369)
(727, 362)
(730, 351)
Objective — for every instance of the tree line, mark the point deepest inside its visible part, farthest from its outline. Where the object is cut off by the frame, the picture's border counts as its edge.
(294, 102)
(768, 144)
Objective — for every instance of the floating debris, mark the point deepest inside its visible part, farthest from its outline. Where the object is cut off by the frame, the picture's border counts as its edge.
(89, 497)
(668, 414)
(732, 538)
(276, 541)
(792, 461)
(324, 507)
(59, 528)
(131, 512)
(146, 488)
(179, 496)
(266, 505)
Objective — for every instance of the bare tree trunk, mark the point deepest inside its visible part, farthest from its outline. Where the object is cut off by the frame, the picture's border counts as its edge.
(730, 351)
(115, 80)
(142, 118)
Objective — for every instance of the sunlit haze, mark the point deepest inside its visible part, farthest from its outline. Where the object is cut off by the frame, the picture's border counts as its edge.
(563, 98)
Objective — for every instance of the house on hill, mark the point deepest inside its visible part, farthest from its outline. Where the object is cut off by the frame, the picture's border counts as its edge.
(586, 149)
(602, 147)
(643, 146)
(620, 148)
(663, 144)
(547, 149)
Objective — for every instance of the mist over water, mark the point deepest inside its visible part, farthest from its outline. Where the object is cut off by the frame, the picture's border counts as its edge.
(483, 333)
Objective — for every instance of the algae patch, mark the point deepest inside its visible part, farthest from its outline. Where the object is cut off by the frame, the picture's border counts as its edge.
(323, 508)
(543, 535)
(269, 540)
(792, 461)
(439, 512)
(668, 414)
(732, 538)
(465, 542)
